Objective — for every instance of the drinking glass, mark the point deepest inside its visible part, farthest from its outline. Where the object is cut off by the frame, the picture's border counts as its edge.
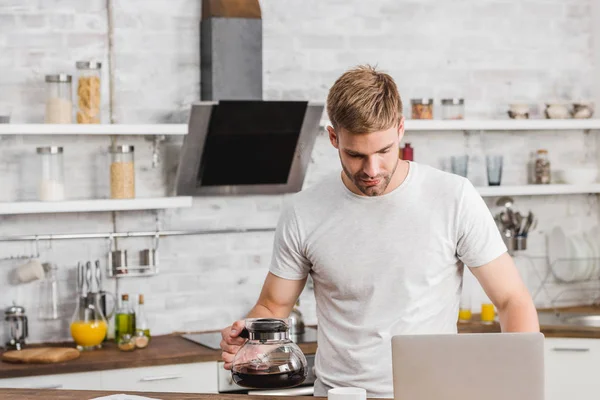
(494, 169)
(459, 165)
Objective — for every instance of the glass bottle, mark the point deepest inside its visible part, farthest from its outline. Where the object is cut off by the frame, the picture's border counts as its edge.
(122, 172)
(49, 294)
(88, 325)
(59, 102)
(408, 152)
(88, 92)
(542, 167)
(124, 319)
(52, 175)
(142, 331)
(464, 309)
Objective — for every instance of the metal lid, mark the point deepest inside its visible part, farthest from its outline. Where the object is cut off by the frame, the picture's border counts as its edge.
(124, 148)
(88, 64)
(14, 310)
(268, 325)
(453, 101)
(58, 78)
(424, 101)
(50, 150)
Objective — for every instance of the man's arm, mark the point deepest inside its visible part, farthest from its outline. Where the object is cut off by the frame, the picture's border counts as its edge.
(502, 283)
(277, 297)
(276, 300)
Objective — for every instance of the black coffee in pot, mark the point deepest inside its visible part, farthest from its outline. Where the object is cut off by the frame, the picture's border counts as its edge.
(263, 379)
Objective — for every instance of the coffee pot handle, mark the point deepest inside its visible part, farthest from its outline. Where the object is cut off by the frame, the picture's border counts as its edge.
(245, 334)
(114, 306)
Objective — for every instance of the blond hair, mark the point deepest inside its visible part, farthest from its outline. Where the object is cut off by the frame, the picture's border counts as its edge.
(364, 100)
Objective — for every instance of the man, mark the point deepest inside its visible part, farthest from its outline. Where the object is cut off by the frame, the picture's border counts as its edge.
(385, 242)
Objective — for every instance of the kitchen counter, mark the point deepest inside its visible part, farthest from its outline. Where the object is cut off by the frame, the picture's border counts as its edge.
(163, 350)
(172, 349)
(43, 394)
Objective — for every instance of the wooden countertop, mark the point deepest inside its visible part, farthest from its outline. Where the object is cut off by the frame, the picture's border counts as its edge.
(163, 350)
(43, 394)
(172, 349)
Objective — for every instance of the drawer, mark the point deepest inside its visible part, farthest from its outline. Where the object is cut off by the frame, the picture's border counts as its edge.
(79, 381)
(191, 378)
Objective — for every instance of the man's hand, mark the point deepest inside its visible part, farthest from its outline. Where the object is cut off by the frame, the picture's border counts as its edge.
(231, 342)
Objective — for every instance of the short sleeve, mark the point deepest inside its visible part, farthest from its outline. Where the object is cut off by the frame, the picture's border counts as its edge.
(288, 260)
(479, 239)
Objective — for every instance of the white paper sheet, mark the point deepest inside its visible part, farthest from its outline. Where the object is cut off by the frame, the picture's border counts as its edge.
(123, 396)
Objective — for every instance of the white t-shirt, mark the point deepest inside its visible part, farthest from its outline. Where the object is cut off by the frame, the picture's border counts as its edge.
(382, 266)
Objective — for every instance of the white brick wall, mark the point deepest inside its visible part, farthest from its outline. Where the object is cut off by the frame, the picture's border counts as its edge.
(490, 52)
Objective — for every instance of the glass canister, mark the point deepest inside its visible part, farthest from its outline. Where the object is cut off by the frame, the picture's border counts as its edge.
(422, 108)
(453, 108)
(59, 102)
(88, 92)
(122, 172)
(542, 167)
(269, 359)
(51, 185)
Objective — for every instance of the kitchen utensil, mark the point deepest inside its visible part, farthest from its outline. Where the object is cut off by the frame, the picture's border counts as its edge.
(147, 257)
(118, 262)
(16, 324)
(296, 321)
(49, 294)
(103, 294)
(268, 359)
(41, 355)
(505, 201)
(518, 222)
(528, 222)
(30, 271)
(494, 169)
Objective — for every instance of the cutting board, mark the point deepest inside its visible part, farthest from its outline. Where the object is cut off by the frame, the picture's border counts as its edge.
(41, 355)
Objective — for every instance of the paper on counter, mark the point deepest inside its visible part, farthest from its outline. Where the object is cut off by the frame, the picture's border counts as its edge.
(123, 396)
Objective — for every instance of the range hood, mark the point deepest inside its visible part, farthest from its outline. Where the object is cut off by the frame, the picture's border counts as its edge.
(236, 147)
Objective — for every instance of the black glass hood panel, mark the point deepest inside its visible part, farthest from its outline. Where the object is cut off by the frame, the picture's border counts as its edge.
(236, 147)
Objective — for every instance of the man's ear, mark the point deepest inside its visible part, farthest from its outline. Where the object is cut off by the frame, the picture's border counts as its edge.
(332, 137)
(401, 129)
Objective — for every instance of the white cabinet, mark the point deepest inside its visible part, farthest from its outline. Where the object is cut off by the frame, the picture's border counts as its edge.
(190, 378)
(571, 367)
(78, 381)
(193, 378)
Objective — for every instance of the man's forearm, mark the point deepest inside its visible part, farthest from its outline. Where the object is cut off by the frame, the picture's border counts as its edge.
(260, 311)
(519, 315)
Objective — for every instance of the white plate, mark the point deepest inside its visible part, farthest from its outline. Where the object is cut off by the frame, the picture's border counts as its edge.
(559, 249)
(591, 255)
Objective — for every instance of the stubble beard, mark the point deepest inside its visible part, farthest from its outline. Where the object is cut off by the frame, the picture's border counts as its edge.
(370, 190)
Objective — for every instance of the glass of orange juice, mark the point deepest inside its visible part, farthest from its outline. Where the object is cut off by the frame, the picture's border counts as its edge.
(88, 325)
(464, 308)
(488, 313)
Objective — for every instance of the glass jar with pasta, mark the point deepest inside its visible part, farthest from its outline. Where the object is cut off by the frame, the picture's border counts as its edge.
(88, 92)
(122, 172)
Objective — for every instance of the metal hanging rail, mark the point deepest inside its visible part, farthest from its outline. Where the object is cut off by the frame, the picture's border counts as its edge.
(71, 236)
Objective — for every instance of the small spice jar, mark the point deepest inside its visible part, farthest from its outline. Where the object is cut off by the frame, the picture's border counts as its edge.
(422, 108)
(122, 172)
(51, 185)
(542, 167)
(453, 108)
(126, 342)
(88, 92)
(59, 101)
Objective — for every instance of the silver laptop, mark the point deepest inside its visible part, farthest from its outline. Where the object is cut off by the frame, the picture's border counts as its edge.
(474, 366)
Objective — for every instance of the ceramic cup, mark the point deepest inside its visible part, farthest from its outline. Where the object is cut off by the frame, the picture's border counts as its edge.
(347, 393)
(30, 271)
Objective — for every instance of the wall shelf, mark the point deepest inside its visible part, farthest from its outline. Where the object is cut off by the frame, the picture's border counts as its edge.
(93, 129)
(95, 205)
(498, 125)
(538, 190)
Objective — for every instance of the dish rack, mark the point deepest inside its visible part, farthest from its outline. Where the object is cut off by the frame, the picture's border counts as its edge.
(557, 289)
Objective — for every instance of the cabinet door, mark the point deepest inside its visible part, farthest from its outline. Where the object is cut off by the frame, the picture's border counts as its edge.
(191, 378)
(79, 381)
(571, 367)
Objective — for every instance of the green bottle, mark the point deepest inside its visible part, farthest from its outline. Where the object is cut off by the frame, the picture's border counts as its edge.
(124, 319)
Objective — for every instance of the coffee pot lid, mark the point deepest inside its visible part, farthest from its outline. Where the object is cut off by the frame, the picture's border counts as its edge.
(267, 325)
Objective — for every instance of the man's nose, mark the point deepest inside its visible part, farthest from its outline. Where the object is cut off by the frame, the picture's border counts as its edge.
(371, 167)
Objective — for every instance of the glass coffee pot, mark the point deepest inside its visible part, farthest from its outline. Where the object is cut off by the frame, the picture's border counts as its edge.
(269, 359)
(88, 325)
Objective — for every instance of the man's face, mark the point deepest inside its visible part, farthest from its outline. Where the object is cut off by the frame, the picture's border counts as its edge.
(369, 160)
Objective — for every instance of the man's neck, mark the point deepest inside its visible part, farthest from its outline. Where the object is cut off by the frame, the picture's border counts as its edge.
(398, 178)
